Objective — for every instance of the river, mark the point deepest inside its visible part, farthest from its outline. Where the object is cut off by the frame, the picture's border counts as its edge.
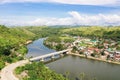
(37, 48)
(76, 65)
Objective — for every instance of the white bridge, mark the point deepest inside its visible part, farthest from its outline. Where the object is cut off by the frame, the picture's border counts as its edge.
(52, 55)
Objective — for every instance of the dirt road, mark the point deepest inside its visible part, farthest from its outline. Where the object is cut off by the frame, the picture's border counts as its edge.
(7, 72)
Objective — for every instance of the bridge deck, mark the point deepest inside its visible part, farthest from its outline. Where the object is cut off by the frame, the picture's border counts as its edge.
(48, 55)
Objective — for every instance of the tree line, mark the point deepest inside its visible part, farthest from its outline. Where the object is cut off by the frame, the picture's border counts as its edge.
(95, 32)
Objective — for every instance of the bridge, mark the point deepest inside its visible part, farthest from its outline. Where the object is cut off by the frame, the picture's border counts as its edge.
(51, 55)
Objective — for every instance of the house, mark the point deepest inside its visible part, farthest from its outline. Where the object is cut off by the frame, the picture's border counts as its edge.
(106, 45)
(92, 50)
(81, 48)
(106, 52)
(117, 55)
(111, 55)
(117, 52)
(87, 53)
(103, 57)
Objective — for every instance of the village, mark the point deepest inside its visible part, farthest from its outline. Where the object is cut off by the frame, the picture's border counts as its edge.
(106, 50)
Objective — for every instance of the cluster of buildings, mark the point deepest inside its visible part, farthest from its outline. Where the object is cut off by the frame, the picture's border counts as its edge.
(105, 50)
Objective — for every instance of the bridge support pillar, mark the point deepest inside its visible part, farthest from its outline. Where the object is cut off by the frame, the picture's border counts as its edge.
(61, 55)
(42, 59)
(52, 57)
(68, 52)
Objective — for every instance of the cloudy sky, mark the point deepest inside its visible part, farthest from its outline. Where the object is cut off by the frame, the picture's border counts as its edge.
(59, 12)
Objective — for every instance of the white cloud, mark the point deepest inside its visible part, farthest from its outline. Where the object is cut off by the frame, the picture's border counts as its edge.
(82, 2)
(75, 19)
(53, 21)
(99, 19)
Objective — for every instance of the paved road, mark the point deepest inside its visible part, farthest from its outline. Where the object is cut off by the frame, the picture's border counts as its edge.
(7, 72)
(48, 55)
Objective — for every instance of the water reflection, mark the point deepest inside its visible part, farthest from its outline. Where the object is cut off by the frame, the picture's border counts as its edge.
(91, 68)
(37, 48)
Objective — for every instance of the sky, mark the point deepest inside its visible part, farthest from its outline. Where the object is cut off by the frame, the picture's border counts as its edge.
(60, 12)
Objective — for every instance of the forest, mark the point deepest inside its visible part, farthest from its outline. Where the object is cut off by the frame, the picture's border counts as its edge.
(95, 32)
(12, 44)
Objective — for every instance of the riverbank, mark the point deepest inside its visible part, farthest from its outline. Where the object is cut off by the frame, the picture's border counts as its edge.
(37, 71)
(98, 59)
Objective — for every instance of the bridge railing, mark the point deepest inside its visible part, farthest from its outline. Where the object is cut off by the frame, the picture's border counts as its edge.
(48, 55)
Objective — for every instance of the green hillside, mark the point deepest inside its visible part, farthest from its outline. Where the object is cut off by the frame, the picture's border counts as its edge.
(12, 42)
(100, 32)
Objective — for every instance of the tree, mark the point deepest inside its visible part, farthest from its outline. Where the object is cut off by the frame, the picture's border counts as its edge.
(2, 64)
(93, 54)
(102, 53)
(38, 71)
(80, 52)
(59, 47)
(74, 49)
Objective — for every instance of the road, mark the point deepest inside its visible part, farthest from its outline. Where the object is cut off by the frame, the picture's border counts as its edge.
(48, 55)
(7, 72)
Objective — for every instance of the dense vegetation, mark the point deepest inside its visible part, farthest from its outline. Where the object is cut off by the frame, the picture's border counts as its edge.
(12, 44)
(38, 71)
(44, 31)
(92, 32)
(58, 43)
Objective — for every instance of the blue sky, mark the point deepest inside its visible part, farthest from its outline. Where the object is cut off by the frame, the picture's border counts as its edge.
(50, 12)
